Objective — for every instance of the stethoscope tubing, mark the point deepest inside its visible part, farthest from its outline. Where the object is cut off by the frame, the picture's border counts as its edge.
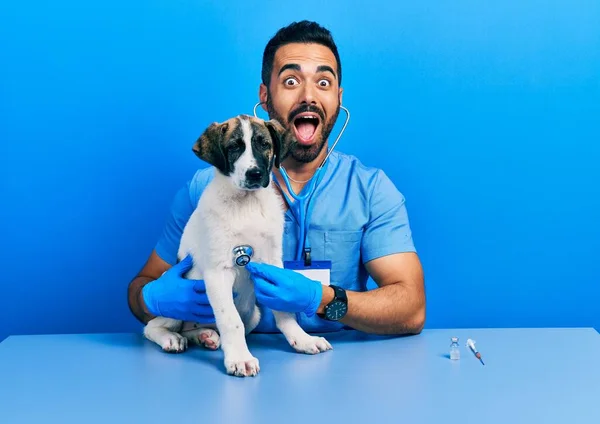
(303, 215)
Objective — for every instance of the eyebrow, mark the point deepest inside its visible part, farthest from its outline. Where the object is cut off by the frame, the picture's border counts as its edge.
(287, 66)
(326, 68)
(296, 67)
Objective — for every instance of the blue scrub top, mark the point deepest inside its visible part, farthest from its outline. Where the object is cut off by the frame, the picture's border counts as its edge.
(358, 215)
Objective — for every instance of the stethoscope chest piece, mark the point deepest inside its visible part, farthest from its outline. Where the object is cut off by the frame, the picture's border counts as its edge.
(242, 255)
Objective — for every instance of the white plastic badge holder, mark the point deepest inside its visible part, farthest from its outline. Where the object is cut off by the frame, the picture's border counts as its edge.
(317, 270)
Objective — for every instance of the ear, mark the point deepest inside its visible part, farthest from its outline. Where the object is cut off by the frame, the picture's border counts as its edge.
(262, 96)
(209, 146)
(281, 141)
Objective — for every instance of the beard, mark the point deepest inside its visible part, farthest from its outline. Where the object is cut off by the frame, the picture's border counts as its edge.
(300, 153)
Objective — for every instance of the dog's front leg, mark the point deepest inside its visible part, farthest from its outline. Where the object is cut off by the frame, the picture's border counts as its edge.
(297, 337)
(219, 289)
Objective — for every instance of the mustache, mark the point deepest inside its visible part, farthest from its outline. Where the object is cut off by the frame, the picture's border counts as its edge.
(306, 108)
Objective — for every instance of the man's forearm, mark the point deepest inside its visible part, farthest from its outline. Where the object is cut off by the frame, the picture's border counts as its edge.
(391, 309)
(134, 296)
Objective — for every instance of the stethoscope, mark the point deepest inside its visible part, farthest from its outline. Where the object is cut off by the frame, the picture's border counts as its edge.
(243, 254)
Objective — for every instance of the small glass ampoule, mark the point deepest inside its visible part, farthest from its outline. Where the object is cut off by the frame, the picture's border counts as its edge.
(454, 349)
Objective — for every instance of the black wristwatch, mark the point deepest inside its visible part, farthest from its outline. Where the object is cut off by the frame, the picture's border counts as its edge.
(337, 308)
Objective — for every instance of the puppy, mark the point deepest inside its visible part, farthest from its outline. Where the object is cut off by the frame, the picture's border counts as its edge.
(239, 206)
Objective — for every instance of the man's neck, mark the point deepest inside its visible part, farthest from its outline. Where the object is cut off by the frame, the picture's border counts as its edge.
(300, 173)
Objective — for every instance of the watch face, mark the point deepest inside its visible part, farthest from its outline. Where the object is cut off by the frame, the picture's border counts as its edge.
(336, 311)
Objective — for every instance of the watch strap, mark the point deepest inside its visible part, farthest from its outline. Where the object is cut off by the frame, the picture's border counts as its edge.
(339, 295)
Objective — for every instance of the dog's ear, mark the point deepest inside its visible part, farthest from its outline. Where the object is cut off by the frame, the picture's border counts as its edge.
(282, 143)
(209, 146)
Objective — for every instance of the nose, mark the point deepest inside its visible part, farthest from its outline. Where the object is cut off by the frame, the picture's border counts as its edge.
(253, 174)
(308, 95)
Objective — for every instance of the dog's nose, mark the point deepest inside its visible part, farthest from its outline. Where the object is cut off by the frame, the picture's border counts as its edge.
(253, 174)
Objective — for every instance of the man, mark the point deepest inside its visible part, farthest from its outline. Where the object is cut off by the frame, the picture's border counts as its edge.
(359, 220)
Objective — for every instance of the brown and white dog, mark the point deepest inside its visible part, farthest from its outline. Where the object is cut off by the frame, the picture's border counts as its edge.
(238, 207)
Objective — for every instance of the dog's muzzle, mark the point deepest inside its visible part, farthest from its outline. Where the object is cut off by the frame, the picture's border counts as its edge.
(256, 178)
(242, 255)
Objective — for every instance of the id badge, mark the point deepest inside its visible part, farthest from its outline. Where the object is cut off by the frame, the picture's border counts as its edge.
(317, 270)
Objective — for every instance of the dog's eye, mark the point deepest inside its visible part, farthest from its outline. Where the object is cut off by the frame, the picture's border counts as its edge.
(262, 142)
(236, 147)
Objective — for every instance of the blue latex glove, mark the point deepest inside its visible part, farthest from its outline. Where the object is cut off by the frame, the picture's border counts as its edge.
(173, 296)
(285, 290)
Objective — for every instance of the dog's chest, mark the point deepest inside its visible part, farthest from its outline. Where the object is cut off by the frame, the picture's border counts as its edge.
(252, 219)
(255, 220)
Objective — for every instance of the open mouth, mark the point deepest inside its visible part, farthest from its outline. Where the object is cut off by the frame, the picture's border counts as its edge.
(305, 127)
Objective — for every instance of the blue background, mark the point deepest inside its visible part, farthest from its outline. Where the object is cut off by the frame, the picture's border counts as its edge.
(486, 116)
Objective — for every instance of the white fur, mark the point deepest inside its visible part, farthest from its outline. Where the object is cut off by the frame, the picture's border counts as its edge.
(246, 160)
(228, 216)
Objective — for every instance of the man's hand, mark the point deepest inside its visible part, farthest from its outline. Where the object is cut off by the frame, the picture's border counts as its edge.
(172, 296)
(285, 290)
(397, 306)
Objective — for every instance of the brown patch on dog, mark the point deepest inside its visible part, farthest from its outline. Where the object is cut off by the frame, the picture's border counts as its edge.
(210, 146)
(281, 137)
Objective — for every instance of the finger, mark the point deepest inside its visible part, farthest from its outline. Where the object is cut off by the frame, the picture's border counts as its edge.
(262, 271)
(261, 268)
(203, 309)
(199, 286)
(185, 265)
(265, 300)
(200, 298)
(264, 287)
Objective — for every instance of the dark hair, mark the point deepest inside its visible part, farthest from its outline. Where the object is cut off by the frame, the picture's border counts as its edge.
(298, 32)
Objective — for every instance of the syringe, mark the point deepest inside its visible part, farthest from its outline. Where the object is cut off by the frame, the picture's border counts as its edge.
(471, 345)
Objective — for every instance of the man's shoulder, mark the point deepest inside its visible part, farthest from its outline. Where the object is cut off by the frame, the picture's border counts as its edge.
(349, 167)
(198, 183)
(370, 183)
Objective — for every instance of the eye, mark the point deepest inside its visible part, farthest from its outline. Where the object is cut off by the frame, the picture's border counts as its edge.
(324, 83)
(290, 81)
(237, 145)
(262, 142)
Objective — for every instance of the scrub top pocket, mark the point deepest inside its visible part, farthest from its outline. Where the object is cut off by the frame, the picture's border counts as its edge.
(342, 248)
(316, 239)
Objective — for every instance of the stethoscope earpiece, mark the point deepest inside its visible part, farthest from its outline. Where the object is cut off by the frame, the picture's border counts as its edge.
(242, 255)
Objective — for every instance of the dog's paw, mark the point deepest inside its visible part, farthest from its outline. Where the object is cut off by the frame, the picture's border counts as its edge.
(310, 344)
(173, 342)
(242, 366)
(206, 337)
